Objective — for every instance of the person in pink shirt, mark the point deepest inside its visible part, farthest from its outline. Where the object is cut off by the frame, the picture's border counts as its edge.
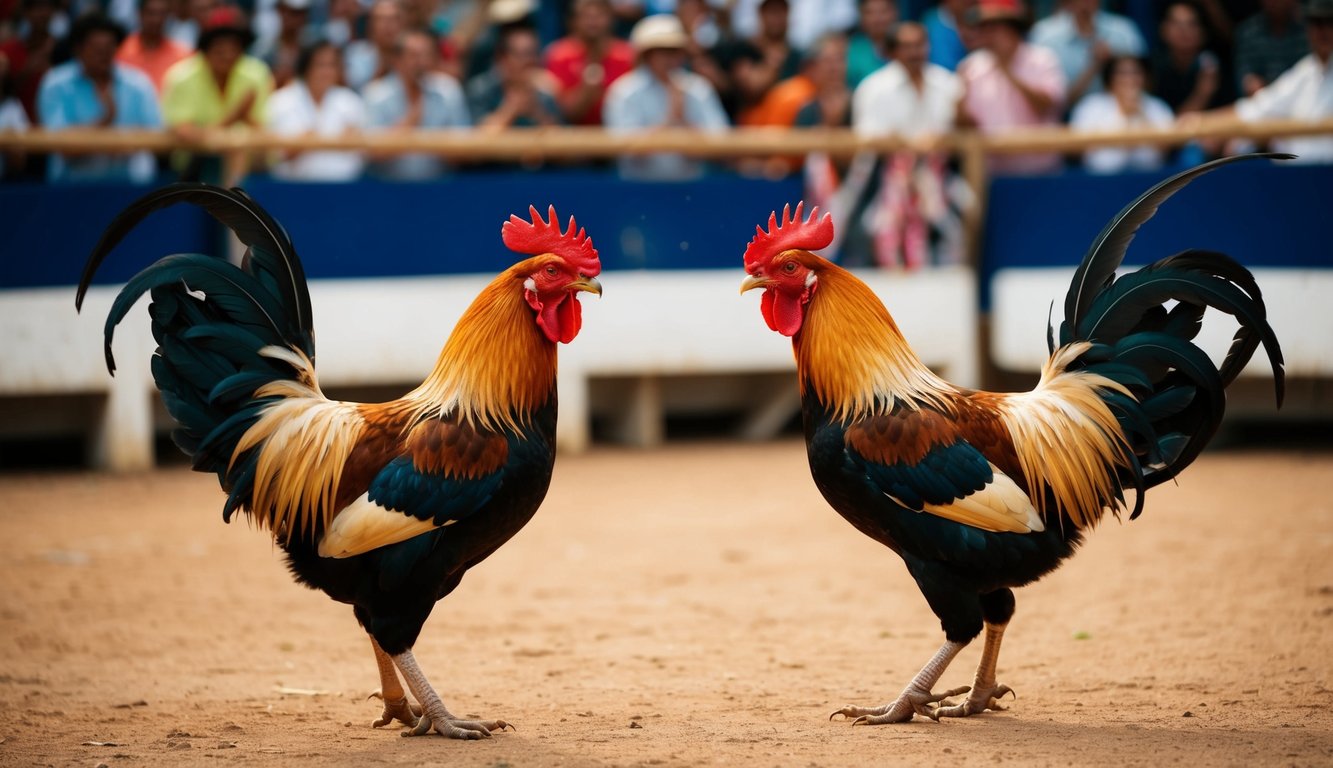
(1009, 84)
(585, 63)
(149, 49)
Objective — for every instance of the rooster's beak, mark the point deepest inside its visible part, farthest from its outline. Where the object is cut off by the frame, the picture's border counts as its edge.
(588, 284)
(754, 281)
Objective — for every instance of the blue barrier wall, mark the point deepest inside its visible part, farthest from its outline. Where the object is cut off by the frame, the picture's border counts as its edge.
(46, 232)
(381, 229)
(1259, 212)
(1262, 213)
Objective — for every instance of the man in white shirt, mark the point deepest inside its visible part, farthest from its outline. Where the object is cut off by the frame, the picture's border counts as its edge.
(1304, 92)
(909, 222)
(313, 104)
(909, 96)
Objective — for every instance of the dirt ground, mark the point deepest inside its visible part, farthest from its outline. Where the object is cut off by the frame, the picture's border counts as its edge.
(697, 605)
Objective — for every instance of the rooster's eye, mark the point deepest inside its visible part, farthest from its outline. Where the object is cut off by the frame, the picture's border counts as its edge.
(789, 267)
(550, 270)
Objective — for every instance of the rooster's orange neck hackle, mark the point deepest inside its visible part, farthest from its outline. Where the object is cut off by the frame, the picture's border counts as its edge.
(849, 352)
(510, 366)
(497, 368)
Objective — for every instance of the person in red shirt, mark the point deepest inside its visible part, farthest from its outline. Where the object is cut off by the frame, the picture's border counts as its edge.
(586, 62)
(30, 57)
(150, 49)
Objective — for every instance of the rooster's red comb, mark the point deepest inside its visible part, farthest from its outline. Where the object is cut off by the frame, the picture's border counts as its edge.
(792, 232)
(542, 236)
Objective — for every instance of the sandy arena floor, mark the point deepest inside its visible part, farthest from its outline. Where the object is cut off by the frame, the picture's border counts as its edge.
(698, 605)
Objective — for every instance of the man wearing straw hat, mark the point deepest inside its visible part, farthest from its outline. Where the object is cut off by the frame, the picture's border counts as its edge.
(660, 93)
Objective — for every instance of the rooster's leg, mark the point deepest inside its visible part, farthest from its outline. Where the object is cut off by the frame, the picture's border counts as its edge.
(396, 705)
(986, 692)
(434, 715)
(916, 699)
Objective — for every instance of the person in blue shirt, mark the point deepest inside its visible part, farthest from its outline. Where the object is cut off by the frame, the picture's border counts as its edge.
(946, 32)
(413, 95)
(1084, 37)
(93, 91)
(660, 93)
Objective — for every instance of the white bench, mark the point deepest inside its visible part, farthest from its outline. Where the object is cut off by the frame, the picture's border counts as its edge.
(648, 328)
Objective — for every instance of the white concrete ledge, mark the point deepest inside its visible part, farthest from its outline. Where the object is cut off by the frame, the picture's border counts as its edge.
(388, 332)
(1297, 301)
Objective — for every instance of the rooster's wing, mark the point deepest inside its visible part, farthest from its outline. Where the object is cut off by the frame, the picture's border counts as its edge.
(447, 471)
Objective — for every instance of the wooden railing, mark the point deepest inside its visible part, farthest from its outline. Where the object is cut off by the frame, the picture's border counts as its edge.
(238, 148)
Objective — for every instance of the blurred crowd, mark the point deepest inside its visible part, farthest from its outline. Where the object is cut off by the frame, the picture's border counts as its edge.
(914, 68)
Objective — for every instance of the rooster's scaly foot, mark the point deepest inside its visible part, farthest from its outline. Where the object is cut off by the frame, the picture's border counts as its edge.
(398, 709)
(910, 703)
(981, 700)
(458, 729)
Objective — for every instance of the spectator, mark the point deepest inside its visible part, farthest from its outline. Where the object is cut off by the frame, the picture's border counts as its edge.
(414, 95)
(705, 40)
(1084, 37)
(831, 107)
(12, 118)
(372, 58)
(755, 64)
(1009, 83)
(868, 48)
(781, 60)
(30, 56)
(313, 104)
(1123, 104)
(343, 24)
(780, 105)
(517, 91)
(807, 21)
(660, 93)
(462, 24)
(746, 79)
(910, 96)
(823, 75)
(946, 31)
(501, 16)
(1268, 44)
(281, 51)
(1219, 19)
(1304, 92)
(1186, 76)
(700, 21)
(586, 62)
(190, 17)
(217, 87)
(149, 49)
(915, 99)
(93, 91)
(453, 22)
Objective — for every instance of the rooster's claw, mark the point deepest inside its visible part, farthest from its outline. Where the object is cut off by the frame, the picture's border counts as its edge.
(399, 709)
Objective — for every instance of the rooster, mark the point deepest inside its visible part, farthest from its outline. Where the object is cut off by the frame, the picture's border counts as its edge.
(981, 492)
(381, 506)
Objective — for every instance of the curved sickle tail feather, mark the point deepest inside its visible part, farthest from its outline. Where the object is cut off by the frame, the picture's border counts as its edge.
(1179, 395)
(222, 331)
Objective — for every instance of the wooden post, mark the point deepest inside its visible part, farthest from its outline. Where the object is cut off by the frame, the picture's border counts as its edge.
(972, 156)
(235, 165)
